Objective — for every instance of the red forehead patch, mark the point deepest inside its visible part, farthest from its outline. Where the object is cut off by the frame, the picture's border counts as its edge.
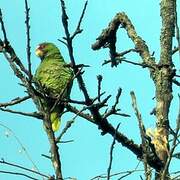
(41, 46)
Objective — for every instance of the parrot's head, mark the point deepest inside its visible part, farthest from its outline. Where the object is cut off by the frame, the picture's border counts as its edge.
(46, 49)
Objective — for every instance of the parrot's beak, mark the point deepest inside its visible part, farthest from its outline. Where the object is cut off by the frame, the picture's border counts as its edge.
(39, 52)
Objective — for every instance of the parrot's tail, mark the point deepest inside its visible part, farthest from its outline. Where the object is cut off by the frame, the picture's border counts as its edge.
(55, 120)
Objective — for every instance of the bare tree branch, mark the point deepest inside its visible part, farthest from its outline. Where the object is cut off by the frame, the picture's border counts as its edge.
(28, 49)
(34, 114)
(177, 27)
(176, 82)
(18, 174)
(126, 173)
(78, 29)
(15, 101)
(121, 59)
(108, 36)
(2, 161)
(3, 28)
(111, 154)
(55, 155)
(142, 132)
(176, 49)
(174, 144)
(21, 145)
(99, 78)
(68, 125)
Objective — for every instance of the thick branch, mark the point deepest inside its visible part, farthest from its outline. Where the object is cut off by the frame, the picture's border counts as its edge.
(174, 144)
(109, 36)
(163, 80)
(55, 156)
(167, 31)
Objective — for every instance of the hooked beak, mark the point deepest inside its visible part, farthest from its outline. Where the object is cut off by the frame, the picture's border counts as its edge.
(39, 52)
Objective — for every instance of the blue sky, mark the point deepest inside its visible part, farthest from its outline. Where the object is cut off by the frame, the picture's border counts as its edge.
(88, 155)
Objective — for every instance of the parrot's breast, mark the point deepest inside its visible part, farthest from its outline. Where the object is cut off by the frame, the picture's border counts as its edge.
(53, 76)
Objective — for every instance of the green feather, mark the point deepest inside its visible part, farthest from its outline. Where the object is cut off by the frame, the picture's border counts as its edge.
(55, 78)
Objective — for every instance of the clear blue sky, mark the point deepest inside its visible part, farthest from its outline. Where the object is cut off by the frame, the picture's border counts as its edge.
(88, 155)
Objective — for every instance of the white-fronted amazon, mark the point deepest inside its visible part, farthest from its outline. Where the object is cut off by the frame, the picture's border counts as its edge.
(54, 78)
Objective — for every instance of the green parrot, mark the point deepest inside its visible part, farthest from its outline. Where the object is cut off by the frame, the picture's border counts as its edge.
(54, 78)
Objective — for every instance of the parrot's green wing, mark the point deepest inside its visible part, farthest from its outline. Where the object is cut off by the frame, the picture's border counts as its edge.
(54, 77)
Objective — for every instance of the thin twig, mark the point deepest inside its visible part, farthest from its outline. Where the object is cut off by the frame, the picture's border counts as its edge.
(126, 52)
(8, 49)
(120, 59)
(142, 132)
(176, 49)
(176, 82)
(68, 125)
(28, 40)
(67, 141)
(99, 78)
(2, 161)
(46, 156)
(70, 50)
(81, 114)
(3, 28)
(78, 29)
(33, 114)
(15, 101)
(113, 109)
(127, 173)
(111, 154)
(21, 145)
(18, 174)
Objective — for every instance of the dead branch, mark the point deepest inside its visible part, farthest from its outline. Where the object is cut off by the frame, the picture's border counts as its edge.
(78, 29)
(68, 125)
(81, 114)
(28, 48)
(142, 132)
(174, 144)
(126, 173)
(99, 78)
(33, 114)
(21, 72)
(70, 50)
(111, 154)
(3, 28)
(176, 82)
(2, 161)
(15, 101)
(21, 145)
(120, 59)
(18, 174)
(177, 27)
(176, 49)
(108, 36)
(113, 109)
(7, 48)
(55, 155)
(97, 118)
